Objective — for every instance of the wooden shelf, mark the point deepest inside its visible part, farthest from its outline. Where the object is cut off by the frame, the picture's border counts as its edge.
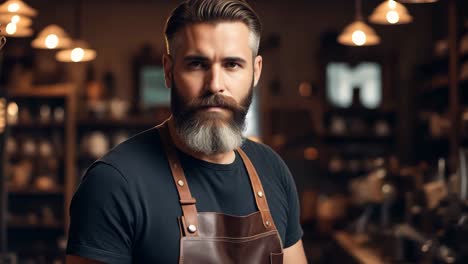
(37, 124)
(47, 91)
(58, 198)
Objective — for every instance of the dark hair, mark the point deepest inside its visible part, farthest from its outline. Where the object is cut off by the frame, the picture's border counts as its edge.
(198, 11)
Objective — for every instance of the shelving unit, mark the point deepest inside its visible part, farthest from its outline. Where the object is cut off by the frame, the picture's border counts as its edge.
(37, 229)
(45, 143)
(443, 91)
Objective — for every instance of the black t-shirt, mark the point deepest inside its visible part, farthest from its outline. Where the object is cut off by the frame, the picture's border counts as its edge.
(126, 207)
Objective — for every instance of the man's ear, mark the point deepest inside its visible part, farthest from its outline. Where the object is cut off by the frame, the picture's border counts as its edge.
(167, 65)
(258, 62)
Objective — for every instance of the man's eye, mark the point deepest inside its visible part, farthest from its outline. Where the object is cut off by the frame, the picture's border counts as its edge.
(195, 64)
(232, 65)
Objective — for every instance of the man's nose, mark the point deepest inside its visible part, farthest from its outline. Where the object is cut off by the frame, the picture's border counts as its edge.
(215, 82)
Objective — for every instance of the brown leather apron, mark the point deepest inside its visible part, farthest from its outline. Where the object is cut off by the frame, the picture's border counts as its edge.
(209, 237)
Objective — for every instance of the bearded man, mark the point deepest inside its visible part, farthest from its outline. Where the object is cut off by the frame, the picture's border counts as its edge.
(193, 189)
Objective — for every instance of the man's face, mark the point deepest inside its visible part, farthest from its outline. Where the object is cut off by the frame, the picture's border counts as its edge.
(212, 74)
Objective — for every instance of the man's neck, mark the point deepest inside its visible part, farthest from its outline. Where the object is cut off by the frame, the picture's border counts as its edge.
(219, 158)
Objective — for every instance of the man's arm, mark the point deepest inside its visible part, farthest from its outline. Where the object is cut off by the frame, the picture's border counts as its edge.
(71, 259)
(295, 254)
(102, 217)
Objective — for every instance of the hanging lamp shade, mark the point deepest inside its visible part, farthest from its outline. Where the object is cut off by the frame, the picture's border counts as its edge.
(17, 7)
(52, 37)
(78, 52)
(390, 13)
(19, 20)
(418, 1)
(15, 31)
(358, 33)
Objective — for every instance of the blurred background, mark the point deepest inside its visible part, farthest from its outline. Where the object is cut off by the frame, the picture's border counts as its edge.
(365, 100)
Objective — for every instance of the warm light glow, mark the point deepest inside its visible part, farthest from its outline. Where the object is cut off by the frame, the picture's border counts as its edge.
(418, 1)
(19, 20)
(52, 37)
(390, 12)
(17, 7)
(15, 19)
(77, 54)
(12, 109)
(10, 28)
(358, 33)
(310, 153)
(359, 37)
(392, 17)
(51, 41)
(13, 8)
(305, 89)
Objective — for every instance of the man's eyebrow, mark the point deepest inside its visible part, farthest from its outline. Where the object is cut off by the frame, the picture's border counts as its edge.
(195, 58)
(235, 59)
(205, 59)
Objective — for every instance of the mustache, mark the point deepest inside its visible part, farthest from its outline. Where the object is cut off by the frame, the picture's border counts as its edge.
(216, 100)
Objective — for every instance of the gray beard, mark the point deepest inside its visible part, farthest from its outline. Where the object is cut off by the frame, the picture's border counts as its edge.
(211, 136)
(209, 133)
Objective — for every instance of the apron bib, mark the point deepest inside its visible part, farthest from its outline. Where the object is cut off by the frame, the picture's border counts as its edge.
(210, 237)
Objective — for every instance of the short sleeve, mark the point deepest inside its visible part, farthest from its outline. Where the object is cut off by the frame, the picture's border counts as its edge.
(102, 217)
(294, 230)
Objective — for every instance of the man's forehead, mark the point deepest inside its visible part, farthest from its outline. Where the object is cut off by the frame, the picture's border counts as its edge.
(224, 36)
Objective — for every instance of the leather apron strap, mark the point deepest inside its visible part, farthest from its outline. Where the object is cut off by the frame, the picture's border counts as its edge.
(187, 202)
(259, 194)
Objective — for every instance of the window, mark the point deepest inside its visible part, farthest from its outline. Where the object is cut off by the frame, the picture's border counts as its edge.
(153, 88)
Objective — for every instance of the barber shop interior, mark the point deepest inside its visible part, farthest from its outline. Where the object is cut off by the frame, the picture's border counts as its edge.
(349, 119)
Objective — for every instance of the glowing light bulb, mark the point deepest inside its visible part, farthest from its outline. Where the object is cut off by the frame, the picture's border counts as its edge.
(12, 109)
(15, 19)
(10, 28)
(392, 17)
(359, 37)
(13, 7)
(392, 4)
(77, 54)
(51, 41)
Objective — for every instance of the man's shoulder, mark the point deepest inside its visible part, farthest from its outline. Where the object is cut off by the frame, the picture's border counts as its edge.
(139, 145)
(265, 159)
(137, 153)
(258, 150)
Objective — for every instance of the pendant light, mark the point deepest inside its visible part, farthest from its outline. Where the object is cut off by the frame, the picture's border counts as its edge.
(19, 20)
(358, 33)
(17, 16)
(79, 50)
(52, 37)
(17, 7)
(418, 1)
(13, 30)
(390, 12)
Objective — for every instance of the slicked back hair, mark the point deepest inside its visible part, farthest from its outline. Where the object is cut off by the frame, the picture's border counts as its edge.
(212, 11)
